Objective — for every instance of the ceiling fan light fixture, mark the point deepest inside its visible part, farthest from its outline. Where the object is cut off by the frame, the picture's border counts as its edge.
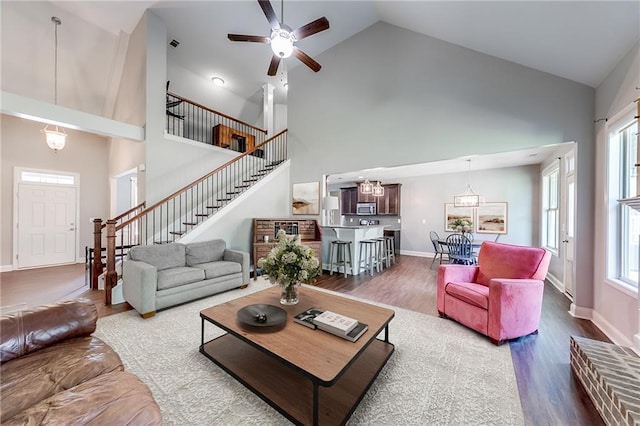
(282, 43)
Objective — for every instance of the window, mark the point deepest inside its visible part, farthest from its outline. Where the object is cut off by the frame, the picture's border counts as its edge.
(39, 177)
(550, 212)
(623, 221)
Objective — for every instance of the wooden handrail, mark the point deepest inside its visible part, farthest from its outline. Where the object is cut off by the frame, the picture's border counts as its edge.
(217, 112)
(131, 210)
(186, 187)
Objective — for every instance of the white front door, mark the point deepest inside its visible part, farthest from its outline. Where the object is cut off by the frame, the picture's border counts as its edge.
(569, 234)
(46, 225)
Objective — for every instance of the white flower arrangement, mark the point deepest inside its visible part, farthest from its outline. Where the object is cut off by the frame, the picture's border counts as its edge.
(462, 225)
(289, 262)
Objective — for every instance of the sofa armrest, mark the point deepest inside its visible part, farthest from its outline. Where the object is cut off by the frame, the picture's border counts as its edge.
(241, 257)
(515, 306)
(450, 273)
(139, 285)
(34, 329)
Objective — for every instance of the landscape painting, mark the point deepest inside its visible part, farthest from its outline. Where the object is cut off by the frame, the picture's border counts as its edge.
(306, 198)
(457, 215)
(491, 218)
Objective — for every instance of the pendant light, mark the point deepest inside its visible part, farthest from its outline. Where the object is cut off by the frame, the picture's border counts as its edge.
(378, 190)
(56, 137)
(468, 198)
(366, 187)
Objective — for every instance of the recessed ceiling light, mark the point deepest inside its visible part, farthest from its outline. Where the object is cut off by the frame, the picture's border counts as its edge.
(217, 81)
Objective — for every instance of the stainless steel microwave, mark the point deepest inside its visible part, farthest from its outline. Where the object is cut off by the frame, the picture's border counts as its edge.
(366, 209)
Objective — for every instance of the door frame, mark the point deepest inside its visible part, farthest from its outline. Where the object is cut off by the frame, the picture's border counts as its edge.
(569, 250)
(17, 181)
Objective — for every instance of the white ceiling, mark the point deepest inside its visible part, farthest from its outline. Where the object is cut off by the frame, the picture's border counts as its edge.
(578, 40)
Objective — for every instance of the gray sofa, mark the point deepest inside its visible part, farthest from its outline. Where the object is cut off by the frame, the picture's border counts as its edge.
(155, 277)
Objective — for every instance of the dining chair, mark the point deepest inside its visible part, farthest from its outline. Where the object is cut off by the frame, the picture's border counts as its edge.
(440, 250)
(460, 250)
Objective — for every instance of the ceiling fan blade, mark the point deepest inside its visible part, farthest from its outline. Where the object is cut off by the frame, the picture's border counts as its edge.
(306, 59)
(273, 66)
(251, 38)
(269, 13)
(311, 28)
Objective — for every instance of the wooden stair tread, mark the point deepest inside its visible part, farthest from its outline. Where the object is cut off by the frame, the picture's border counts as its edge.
(177, 232)
(202, 214)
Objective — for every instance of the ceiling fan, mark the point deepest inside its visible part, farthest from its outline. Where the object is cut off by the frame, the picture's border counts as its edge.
(283, 38)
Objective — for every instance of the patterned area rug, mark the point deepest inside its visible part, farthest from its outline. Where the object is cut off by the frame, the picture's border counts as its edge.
(441, 373)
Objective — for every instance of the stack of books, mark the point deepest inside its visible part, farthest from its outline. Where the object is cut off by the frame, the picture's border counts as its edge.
(331, 322)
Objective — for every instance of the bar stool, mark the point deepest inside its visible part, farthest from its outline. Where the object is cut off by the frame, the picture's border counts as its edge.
(383, 254)
(371, 256)
(338, 247)
(390, 247)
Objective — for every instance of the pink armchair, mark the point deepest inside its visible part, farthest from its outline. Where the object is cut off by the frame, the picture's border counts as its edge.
(502, 296)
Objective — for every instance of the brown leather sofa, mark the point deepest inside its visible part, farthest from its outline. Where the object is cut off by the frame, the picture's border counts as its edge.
(52, 371)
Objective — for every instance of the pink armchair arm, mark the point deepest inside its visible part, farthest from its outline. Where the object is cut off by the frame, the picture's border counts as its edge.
(449, 273)
(515, 306)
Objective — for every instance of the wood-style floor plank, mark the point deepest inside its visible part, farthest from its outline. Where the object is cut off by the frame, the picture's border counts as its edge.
(549, 393)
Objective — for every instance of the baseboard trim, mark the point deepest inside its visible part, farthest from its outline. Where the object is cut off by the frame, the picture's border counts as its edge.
(416, 253)
(580, 312)
(6, 268)
(612, 333)
(556, 282)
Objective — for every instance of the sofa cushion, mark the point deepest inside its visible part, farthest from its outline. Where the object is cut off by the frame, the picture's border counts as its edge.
(29, 330)
(32, 378)
(162, 256)
(175, 277)
(205, 251)
(497, 260)
(219, 269)
(117, 398)
(471, 293)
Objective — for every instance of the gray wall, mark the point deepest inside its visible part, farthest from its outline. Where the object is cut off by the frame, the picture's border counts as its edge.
(615, 310)
(388, 97)
(23, 145)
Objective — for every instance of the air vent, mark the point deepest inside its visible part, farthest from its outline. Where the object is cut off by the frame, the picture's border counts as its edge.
(174, 43)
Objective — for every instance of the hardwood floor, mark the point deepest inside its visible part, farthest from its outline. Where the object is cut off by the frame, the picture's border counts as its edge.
(549, 392)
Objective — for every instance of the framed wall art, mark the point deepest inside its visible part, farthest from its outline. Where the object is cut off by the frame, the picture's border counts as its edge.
(457, 216)
(491, 218)
(306, 198)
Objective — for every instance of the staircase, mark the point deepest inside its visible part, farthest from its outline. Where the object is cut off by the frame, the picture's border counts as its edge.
(171, 218)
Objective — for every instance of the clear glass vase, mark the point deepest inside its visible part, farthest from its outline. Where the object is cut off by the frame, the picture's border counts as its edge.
(288, 294)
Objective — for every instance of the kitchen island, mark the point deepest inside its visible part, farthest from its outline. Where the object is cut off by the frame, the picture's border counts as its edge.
(355, 234)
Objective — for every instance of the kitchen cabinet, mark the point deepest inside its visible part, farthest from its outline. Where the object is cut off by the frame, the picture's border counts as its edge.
(395, 233)
(386, 205)
(348, 200)
(389, 203)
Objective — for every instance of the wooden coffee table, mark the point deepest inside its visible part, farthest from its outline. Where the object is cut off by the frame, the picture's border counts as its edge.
(310, 376)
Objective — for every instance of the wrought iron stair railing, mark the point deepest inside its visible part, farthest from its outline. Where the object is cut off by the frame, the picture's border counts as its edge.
(174, 216)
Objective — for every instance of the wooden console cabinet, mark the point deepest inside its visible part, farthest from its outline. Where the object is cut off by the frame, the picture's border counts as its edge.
(225, 136)
(308, 229)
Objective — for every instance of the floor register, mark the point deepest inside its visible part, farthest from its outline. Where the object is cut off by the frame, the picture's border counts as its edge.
(331, 322)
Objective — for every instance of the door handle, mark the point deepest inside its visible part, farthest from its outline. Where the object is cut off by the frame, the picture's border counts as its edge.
(565, 241)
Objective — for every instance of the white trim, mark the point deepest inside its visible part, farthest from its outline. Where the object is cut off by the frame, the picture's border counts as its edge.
(611, 332)
(556, 282)
(416, 253)
(580, 312)
(6, 268)
(17, 181)
(623, 287)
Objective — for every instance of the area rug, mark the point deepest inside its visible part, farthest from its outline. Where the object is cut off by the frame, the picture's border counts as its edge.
(440, 374)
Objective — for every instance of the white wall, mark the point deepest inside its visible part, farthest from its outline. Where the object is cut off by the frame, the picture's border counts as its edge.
(23, 145)
(269, 198)
(615, 311)
(389, 97)
(84, 63)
